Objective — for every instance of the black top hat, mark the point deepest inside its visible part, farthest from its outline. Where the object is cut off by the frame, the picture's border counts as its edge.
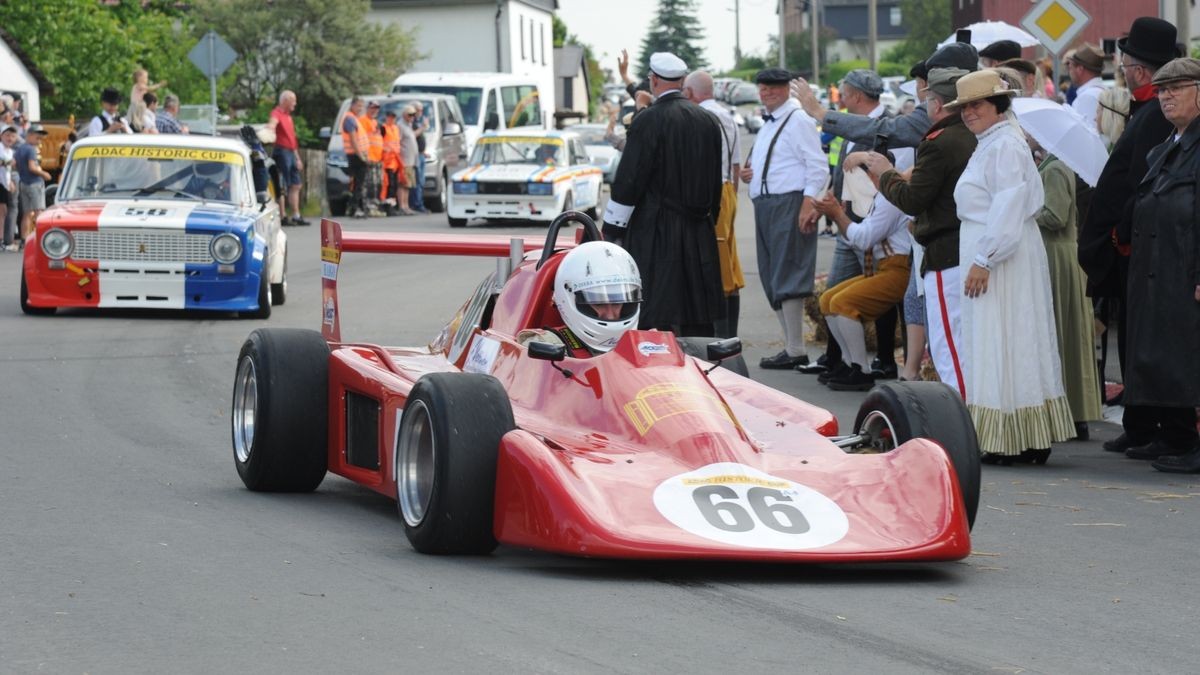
(110, 95)
(1150, 39)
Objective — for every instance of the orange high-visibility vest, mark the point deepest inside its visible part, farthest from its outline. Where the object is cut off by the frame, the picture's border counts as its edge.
(374, 139)
(391, 147)
(359, 133)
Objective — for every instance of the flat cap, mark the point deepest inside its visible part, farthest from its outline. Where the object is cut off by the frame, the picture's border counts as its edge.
(866, 81)
(1089, 56)
(667, 66)
(1180, 69)
(954, 55)
(1001, 50)
(943, 81)
(772, 76)
(7, 128)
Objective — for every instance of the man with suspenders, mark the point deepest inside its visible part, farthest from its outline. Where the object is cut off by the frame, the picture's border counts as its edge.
(786, 171)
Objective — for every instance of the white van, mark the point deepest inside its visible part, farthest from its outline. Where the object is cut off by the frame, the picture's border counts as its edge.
(489, 101)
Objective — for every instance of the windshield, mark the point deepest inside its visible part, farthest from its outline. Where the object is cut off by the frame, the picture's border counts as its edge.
(591, 135)
(164, 172)
(469, 98)
(519, 150)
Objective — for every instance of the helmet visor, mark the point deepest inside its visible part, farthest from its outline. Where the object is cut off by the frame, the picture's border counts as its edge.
(611, 302)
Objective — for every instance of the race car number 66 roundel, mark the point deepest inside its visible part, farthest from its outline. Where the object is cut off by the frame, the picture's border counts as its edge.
(742, 506)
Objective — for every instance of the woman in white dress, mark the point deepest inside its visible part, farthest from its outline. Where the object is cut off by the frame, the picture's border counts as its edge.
(1011, 369)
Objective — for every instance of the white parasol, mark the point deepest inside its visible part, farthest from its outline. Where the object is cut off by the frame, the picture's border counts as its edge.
(985, 33)
(1064, 134)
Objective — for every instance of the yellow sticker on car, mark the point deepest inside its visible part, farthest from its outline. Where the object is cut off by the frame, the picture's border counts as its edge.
(152, 152)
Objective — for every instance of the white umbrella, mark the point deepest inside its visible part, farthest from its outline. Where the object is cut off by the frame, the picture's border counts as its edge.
(985, 33)
(1063, 133)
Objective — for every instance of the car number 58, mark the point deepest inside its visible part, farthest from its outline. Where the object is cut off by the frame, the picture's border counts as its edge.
(742, 506)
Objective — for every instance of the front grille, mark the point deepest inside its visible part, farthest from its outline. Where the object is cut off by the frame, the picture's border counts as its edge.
(502, 188)
(149, 246)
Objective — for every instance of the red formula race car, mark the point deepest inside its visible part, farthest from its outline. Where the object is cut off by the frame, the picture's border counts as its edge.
(647, 451)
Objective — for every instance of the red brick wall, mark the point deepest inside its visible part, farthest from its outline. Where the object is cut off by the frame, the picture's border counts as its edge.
(1110, 18)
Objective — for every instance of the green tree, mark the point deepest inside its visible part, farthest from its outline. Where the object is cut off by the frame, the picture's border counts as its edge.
(78, 45)
(675, 29)
(928, 23)
(323, 51)
(799, 50)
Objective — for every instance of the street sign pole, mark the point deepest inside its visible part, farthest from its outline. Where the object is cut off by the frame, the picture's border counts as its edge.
(212, 77)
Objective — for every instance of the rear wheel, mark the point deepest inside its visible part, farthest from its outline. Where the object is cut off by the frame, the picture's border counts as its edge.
(337, 207)
(897, 412)
(446, 461)
(280, 410)
(28, 308)
(438, 203)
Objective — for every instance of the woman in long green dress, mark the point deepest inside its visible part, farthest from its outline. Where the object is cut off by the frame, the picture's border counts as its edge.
(1072, 309)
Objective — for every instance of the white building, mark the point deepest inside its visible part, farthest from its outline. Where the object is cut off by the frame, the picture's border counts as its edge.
(574, 95)
(21, 78)
(499, 36)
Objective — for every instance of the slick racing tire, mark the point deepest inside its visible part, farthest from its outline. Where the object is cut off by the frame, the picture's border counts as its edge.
(28, 308)
(280, 410)
(897, 412)
(698, 347)
(445, 461)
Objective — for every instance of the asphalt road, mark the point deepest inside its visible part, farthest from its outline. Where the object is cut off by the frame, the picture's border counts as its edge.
(129, 545)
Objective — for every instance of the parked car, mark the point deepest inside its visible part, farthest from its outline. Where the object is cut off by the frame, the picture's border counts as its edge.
(489, 101)
(525, 175)
(602, 154)
(744, 97)
(161, 222)
(445, 148)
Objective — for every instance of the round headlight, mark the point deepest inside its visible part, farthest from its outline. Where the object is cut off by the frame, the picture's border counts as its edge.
(57, 244)
(226, 248)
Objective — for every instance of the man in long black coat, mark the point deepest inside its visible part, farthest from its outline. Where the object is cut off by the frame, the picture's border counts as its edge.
(1105, 236)
(664, 205)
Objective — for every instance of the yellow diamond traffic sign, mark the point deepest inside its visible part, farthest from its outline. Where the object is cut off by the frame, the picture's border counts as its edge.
(1055, 23)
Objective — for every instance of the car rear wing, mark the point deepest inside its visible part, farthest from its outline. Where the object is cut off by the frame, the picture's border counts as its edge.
(334, 242)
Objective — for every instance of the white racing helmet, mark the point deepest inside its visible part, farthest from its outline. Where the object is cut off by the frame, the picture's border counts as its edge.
(595, 273)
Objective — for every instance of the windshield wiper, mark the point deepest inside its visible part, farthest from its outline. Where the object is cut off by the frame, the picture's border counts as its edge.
(146, 192)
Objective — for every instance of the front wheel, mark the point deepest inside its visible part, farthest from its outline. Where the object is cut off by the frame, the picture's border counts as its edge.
(456, 222)
(897, 412)
(28, 308)
(445, 461)
(264, 298)
(279, 290)
(280, 412)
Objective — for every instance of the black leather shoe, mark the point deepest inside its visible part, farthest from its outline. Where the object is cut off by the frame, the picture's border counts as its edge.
(782, 361)
(1081, 431)
(997, 459)
(838, 370)
(852, 379)
(1153, 450)
(1122, 443)
(1187, 463)
(884, 371)
(1033, 456)
(819, 366)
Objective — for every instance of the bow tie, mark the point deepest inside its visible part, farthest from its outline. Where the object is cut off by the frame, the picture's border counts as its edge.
(768, 117)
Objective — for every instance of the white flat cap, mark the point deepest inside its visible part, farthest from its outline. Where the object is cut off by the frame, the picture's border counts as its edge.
(667, 66)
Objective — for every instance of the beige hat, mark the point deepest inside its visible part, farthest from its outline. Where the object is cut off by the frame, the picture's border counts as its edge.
(1179, 69)
(980, 85)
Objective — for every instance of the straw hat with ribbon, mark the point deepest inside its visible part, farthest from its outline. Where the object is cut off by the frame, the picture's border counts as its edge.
(980, 85)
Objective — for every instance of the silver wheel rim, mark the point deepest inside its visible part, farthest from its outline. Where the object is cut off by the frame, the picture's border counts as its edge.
(415, 463)
(878, 432)
(245, 409)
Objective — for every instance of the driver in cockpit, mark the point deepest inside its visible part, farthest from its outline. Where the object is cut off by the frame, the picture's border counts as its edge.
(598, 293)
(209, 180)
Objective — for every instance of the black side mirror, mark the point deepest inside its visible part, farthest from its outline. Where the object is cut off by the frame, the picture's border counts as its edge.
(264, 198)
(51, 193)
(544, 351)
(724, 349)
(491, 122)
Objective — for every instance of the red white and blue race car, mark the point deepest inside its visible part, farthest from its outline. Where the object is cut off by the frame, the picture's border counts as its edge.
(158, 222)
(647, 451)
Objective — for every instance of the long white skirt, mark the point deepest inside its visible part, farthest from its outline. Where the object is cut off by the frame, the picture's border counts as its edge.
(1010, 359)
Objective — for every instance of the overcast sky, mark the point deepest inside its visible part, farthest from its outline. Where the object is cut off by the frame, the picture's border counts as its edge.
(610, 25)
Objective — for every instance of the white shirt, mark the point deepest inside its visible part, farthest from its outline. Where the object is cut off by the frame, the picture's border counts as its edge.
(797, 163)
(1087, 101)
(96, 127)
(6, 155)
(1001, 190)
(885, 223)
(728, 155)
